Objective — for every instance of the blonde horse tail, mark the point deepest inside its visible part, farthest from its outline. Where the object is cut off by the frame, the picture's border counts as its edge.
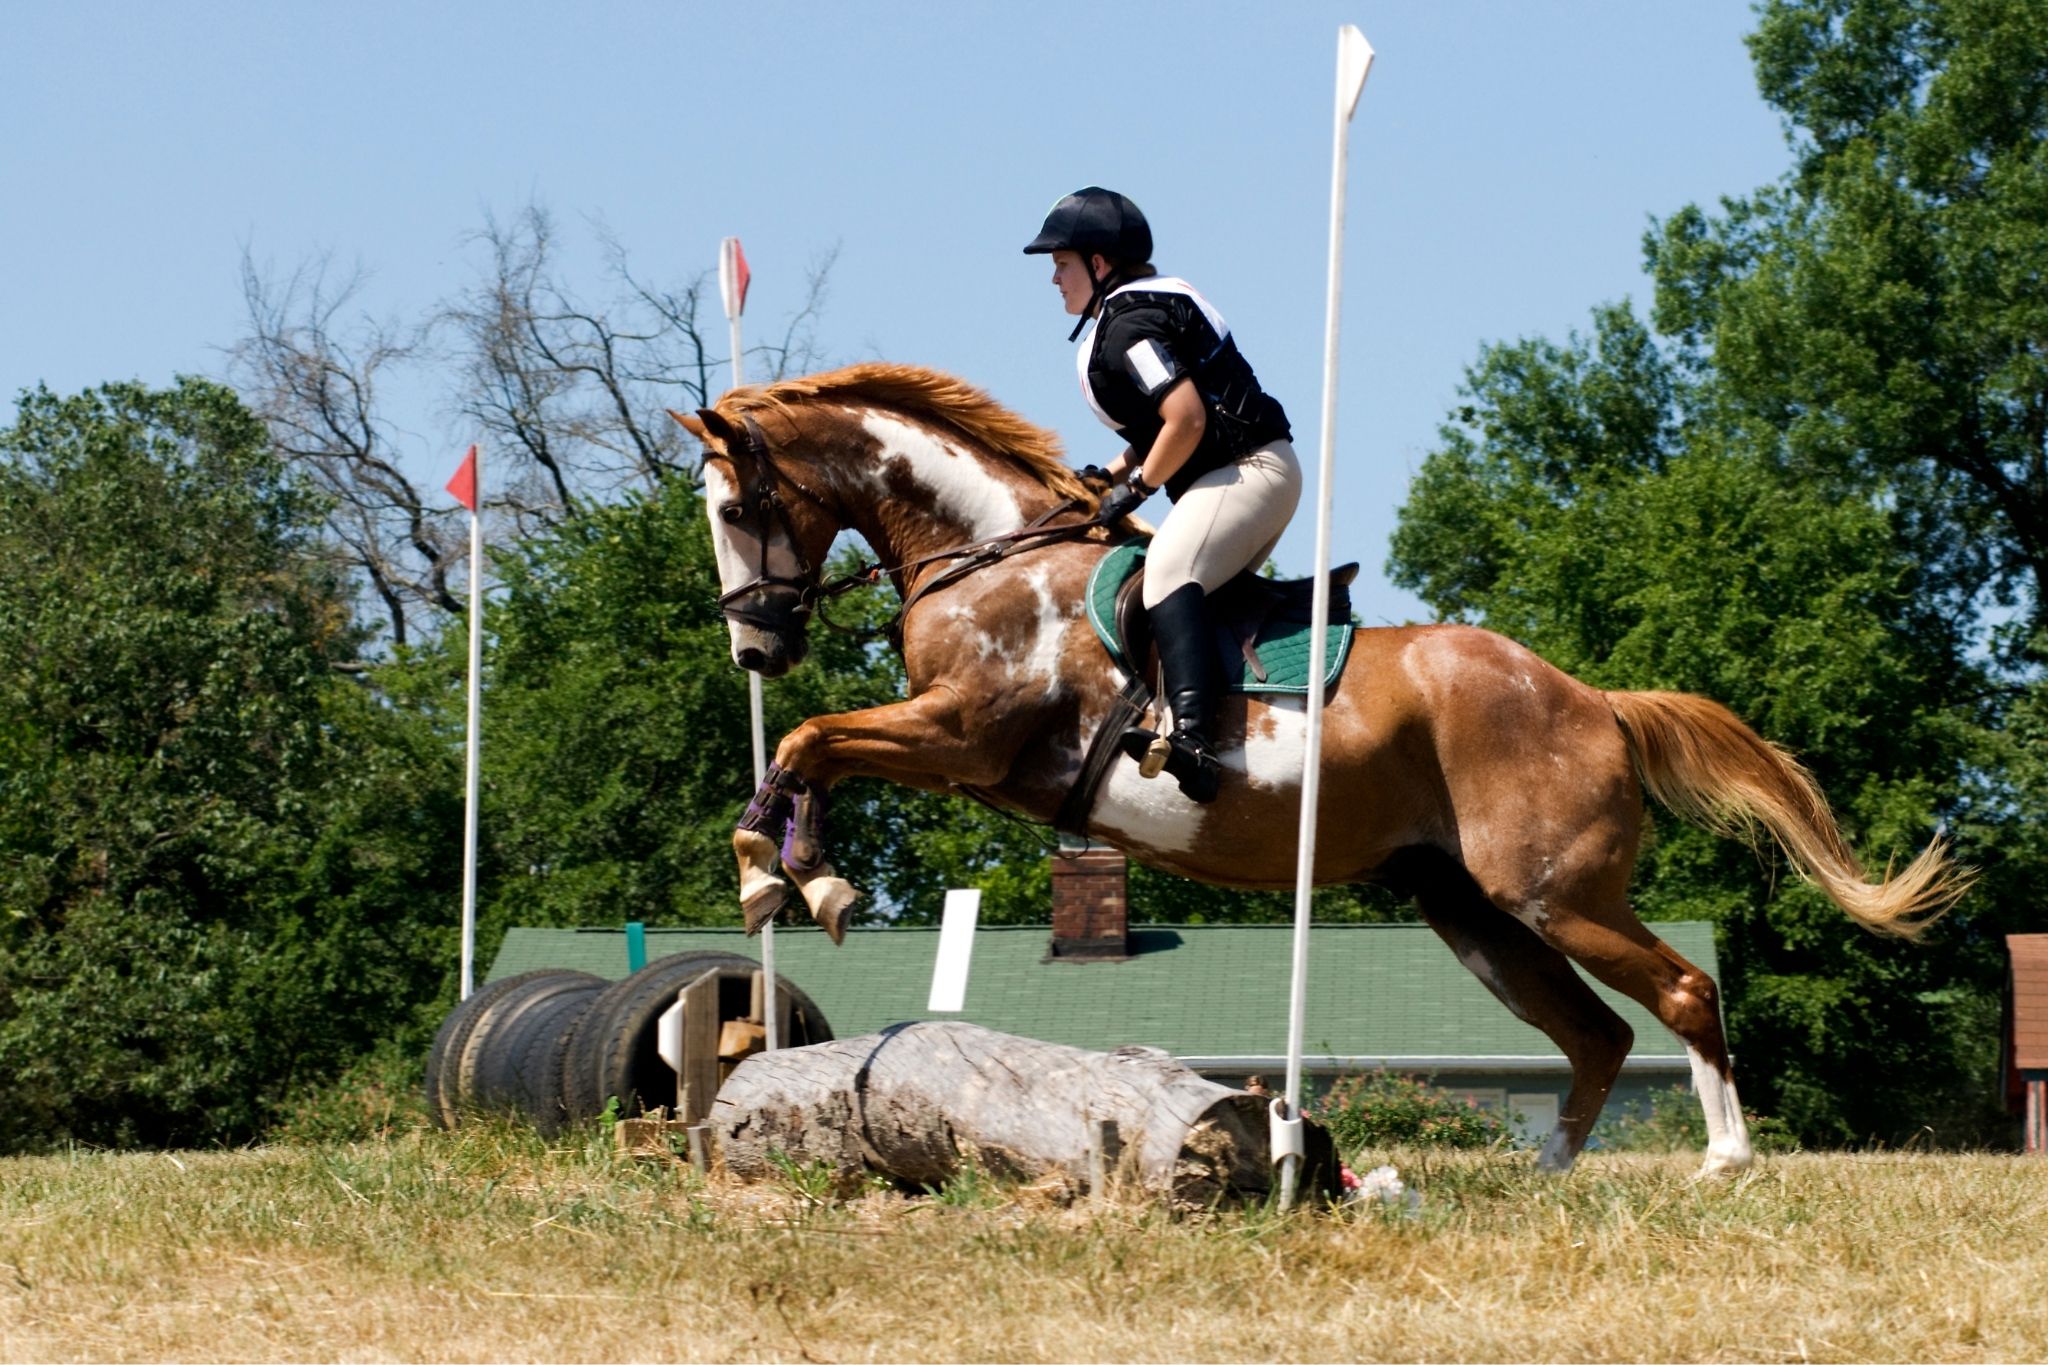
(1703, 763)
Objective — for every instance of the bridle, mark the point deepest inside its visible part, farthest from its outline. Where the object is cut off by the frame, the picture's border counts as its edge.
(766, 501)
(812, 590)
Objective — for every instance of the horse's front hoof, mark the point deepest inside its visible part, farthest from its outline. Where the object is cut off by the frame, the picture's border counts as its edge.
(831, 899)
(760, 899)
(1722, 1166)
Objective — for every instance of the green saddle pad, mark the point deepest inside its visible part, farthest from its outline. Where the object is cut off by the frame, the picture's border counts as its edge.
(1282, 645)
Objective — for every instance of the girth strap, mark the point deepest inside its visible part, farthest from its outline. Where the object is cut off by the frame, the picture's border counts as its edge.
(1124, 711)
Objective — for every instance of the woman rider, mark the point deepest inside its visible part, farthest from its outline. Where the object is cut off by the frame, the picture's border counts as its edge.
(1162, 370)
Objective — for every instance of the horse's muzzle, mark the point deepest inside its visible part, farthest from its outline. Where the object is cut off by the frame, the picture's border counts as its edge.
(771, 656)
(760, 661)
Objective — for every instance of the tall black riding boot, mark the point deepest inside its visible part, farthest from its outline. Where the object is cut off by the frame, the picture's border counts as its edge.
(1187, 655)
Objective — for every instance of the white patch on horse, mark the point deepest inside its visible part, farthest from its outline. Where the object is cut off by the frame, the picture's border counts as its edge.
(1727, 1135)
(1041, 661)
(1274, 746)
(1146, 815)
(961, 489)
(985, 645)
(1477, 964)
(1533, 909)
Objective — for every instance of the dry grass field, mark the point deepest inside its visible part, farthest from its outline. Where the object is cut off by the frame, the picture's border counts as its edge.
(492, 1246)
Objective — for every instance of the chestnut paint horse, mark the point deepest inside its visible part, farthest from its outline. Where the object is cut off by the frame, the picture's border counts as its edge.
(1458, 767)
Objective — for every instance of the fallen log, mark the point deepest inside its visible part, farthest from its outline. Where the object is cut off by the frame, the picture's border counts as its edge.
(918, 1102)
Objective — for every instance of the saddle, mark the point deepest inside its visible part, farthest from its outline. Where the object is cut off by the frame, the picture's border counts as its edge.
(1262, 638)
(1262, 624)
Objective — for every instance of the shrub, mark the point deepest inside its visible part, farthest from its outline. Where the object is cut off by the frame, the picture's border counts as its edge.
(1379, 1108)
(1672, 1121)
(376, 1098)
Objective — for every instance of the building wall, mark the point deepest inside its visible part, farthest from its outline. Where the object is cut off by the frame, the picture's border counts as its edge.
(2034, 1111)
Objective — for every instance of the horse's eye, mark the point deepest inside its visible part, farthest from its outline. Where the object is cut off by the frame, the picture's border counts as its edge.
(731, 513)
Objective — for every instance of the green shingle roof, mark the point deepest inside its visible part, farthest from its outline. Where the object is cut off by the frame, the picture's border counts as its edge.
(1381, 991)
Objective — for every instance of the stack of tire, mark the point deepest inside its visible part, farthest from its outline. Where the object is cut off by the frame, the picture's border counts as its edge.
(554, 1046)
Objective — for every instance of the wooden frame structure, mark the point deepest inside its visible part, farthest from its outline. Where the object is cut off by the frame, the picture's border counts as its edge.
(2026, 1037)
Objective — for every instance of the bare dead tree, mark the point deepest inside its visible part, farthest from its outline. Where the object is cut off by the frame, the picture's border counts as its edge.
(574, 392)
(567, 396)
(317, 391)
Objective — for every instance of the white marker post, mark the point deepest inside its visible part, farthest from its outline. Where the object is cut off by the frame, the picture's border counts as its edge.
(733, 278)
(956, 947)
(464, 487)
(1354, 61)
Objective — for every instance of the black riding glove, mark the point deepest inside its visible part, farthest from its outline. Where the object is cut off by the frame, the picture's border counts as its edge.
(1124, 499)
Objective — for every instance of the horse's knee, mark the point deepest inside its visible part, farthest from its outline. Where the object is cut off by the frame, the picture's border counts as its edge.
(801, 749)
(1694, 1013)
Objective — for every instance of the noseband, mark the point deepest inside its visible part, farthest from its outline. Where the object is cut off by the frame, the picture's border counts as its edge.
(769, 511)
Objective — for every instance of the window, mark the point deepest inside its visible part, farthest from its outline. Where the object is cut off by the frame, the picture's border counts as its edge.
(1538, 1111)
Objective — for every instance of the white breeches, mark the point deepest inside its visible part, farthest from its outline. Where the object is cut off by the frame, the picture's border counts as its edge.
(1228, 521)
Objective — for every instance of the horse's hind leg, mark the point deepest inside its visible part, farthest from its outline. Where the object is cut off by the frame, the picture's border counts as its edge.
(1539, 986)
(1645, 968)
(1612, 944)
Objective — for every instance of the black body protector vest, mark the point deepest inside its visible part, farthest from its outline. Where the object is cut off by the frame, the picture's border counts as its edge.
(1151, 333)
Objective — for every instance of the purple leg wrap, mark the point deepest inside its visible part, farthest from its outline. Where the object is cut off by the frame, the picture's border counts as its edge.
(769, 811)
(803, 841)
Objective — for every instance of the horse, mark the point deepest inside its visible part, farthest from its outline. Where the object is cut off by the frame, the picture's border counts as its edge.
(1458, 767)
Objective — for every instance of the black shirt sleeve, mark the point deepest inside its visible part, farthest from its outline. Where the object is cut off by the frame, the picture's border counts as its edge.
(1142, 343)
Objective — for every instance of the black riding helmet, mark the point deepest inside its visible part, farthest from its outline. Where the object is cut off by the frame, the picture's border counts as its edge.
(1094, 222)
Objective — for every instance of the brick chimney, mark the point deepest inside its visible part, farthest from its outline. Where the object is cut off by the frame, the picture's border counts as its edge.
(1091, 918)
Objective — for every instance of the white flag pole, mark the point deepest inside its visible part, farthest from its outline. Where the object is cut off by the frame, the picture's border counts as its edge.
(733, 291)
(1354, 61)
(476, 651)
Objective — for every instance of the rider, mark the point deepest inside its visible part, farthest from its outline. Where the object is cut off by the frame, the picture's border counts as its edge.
(1163, 371)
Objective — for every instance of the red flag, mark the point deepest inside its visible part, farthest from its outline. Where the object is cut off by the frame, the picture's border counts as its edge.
(463, 485)
(733, 277)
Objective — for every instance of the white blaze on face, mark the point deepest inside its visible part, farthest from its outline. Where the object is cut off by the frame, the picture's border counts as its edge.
(738, 548)
(960, 490)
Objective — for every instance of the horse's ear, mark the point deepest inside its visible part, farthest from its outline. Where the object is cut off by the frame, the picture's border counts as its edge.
(709, 426)
(705, 426)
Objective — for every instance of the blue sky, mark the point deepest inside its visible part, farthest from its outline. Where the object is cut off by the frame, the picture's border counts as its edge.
(1506, 160)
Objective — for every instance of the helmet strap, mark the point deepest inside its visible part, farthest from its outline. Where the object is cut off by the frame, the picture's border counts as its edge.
(1099, 287)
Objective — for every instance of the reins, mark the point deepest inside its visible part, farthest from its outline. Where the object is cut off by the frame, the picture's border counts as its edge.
(813, 592)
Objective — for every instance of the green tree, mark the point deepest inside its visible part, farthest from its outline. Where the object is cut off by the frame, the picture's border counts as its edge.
(211, 865)
(1880, 310)
(1817, 496)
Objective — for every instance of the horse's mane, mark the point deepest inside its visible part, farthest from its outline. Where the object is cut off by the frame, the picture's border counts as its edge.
(938, 399)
